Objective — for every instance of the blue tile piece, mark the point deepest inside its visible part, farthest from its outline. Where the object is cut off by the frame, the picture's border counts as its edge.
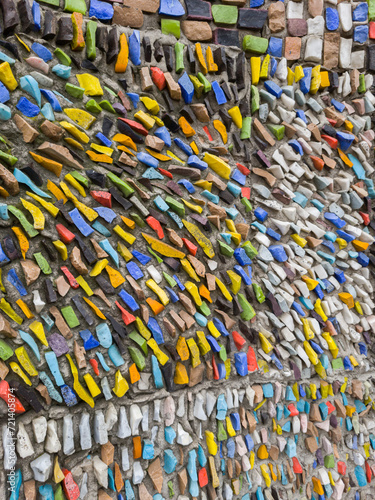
(147, 159)
(187, 185)
(107, 247)
(357, 167)
(160, 204)
(345, 140)
(195, 162)
(301, 114)
(16, 282)
(273, 66)
(101, 359)
(103, 11)
(360, 12)
(241, 271)
(241, 257)
(53, 366)
(115, 356)
(62, 71)
(296, 146)
(220, 326)
(338, 105)
(234, 189)
(260, 214)
(215, 347)
(103, 139)
(97, 226)
(141, 257)
(129, 300)
(104, 335)
(169, 434)
(361, 33)
(156, 331)
(180, 285)
(275, 47)
(3, 257)
(52, 99)
(156, 372)
(219, 93)
(332, 19)
(170, 461)
(134, 98)
(273, 88)
(42, 51)
(305, 82)
(134, 270)
(163, 134)
(334, 219)
(84, 228)
(173, 295)
(187, 88)
(47, 112)
(214, 198)
(89, 342)
(273, 234)
(171, 8)
(27, 108)
(278, 253)
(183, 146)
(4, 93)
(135, 48)
(256, 3)
(26, 337)
(106, 213)
(5, 112)
(152, 174)
(240, 362)
(35, 10)
(24, 179)
(238, 176)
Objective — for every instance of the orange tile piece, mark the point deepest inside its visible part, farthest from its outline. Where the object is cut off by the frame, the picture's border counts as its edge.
(134, 374)
(156, 307)
(204, 292)
(137, 447)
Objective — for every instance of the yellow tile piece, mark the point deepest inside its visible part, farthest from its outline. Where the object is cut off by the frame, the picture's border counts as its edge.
(146, 120)
(262, 452)
(159, 122)
(255, 63)
(25, 361)
(22, 240)
(193, 290)
(88, 212)
(204, 346)
(236, 116)
(174, 157)
(194, 147)
(96, 309)
(265, 343)
(200, 238)
(73, 182)
(75, 144)
(311, 284)
(79, 389)
(213, 330)
(211, 65)
(211, 443)
(264, 69)
(182, 348)
(309, 334)
(299, 240)
(348, 126)
(56, 191)
(204, 184)
(24, 44)
(9, 311)
(36, 213)
(25, 309)
(123, 251)
(78, 134)
(324, 79)
(163, 248)
(84, 285)
(68, 192)
(142, 329)
(217, 165)
(266, 476)
(61, 248)
(80, 117)
(290, 77)
(91, 385)
(236, 281)
(298, 73)
(128, 222)
(115, 277)
(200, 57)
(341, 243)
(157, 155)
(310, 353)
(45, 204)
(90, 83)
(129, 238)
(194, 208)
(99, 157)
(236, 238)
(194, 351)
(150, 104)
(315, 80)
(121, 385)
(344, 158)
(125, 140)
(188, 268)
(358, 308)
(230, 430)
(18, 371)
(123, 55)
(101, 149)
(223, 290)
(37, 328)
(220, 127)
(152, 285)
(186, 128)
(160, 355)
(7, 77)
(58, 475)
(318, 309)
(347, 299)
(127, 150)
(47, 163)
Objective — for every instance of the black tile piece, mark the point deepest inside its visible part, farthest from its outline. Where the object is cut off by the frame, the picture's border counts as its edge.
(252, 19)
(113, 45)
(50, 25)
(65, 31)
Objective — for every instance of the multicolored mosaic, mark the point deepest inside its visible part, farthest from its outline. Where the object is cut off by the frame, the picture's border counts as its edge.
(187, 249)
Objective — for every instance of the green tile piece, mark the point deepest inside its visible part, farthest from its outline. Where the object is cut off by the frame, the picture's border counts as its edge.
(225, 249)
(224, 14)
(204, 309)
(250, 250)
(91, 27)
(175, 205)
(9, 159)
(70, 316)
(139, 340)
(246, 128)
(75, 6)
(55, 3)
(255, 44)
(138, 220)
(137, 357)
(42, 263)
(248, 312)
(93, 106)
(246, 203)
(277, 130)
(29, 228)
(171, 27)
(198, 86)
(5, 351)
(337, 364)
(179, 52)
(80, 178)
(206, 84)
(107, 106)
(171, 282)
(160, 261)
(371, 10)
(120, 184)
(74, 91)
(255, 99)
(62, 57)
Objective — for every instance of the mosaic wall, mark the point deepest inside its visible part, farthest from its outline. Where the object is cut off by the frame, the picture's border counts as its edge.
(187, 250)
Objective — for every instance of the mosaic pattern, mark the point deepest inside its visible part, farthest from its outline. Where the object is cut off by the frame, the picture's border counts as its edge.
(187, 250)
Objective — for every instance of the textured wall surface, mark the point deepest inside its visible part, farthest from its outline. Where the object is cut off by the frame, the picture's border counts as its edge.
(187, 249)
